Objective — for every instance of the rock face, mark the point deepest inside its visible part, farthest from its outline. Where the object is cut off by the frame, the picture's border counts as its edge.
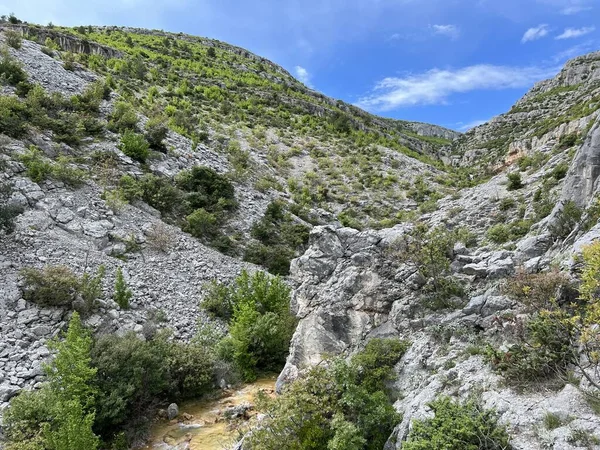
(581, 184)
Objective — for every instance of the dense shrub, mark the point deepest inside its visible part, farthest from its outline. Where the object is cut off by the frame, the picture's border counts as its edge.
(499, 233)
(337, 407)
(13, 117)
(567, 141)
(260, 322)
(156, 132)
(202, 224)
(134, 145)
(51, 286)
(279, 237)
(560, 171)
(457, 426)
(60, 415)
(13, 39)
(206, 189)
(514, 181)
(544, 351)
(11, 71)
(123, 118)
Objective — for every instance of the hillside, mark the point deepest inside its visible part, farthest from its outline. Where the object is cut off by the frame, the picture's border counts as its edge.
(151, 181)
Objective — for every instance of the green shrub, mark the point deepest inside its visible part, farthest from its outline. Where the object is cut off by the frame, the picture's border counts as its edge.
(11, 71)
(506, 203)
(514, 181)
(552, 421)
(337, 407)
(38, 167)
(123, 118)
(122, 294)
(544, 352)
(8, 211)
(537, 290)
(51, 286)
(158, 192)
(206, 189)
(499, 233)
(280, 239)
(456, 426)
(202, 224)
(566, 220)
(567, 141)
(261, 324)
(156, 132)
(560, 171)
(13, 39)
(134, 145)
(65, 172)
(13, 117)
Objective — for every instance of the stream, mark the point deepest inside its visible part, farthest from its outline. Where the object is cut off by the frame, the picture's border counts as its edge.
(206, 429)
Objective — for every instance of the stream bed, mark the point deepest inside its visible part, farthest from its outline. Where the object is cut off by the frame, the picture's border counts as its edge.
(201, 424)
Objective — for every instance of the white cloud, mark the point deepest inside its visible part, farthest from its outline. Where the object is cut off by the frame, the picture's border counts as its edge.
(572, 10)
(467, 126)
(303, 75)
(535, 33)
(451, 31)
(571, 33)
(436, 85)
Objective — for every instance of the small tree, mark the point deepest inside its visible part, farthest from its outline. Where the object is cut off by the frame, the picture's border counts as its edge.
(514, 181)
(122, 293)
(13, 39)
(134, 145)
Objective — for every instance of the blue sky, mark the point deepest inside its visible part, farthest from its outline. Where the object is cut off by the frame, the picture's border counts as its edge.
(455, 63)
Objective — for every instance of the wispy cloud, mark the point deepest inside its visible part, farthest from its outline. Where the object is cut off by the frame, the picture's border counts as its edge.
(575, 9)
(571, 33)
(303, 75)
(436, 86)
(451, 31)
(467, 126)
(535, 33)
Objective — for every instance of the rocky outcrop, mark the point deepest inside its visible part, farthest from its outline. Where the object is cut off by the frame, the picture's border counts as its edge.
(66, 42)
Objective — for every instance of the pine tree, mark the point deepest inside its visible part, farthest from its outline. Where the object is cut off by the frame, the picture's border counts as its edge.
(122, 293)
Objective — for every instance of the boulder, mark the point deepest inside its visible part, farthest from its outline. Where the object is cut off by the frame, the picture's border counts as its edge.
(172, 411)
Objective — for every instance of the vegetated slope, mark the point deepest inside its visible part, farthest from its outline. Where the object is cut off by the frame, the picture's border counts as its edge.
(563, 105)
(504, 311)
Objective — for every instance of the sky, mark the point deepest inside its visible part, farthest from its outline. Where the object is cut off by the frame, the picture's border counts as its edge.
(454, 63)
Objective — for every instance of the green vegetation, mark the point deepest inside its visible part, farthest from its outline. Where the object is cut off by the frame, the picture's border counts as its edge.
(457, 426)
(514, 181)
(8, 211)
(429, 253)
(260, 322)
(134, 145)
(566, 220)
(279, 237)
(122, 294)
(345, 405)
(502, 233)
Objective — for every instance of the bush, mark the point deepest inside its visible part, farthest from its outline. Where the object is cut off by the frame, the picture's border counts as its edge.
(13, 117)
(134, 145)
(499, 233)
(8, 211)
(543, 352)
(537, 290)
(261, 324)
(514, 181)
(334, 407)
(158, 192)
(160, 237)
(280, 239)
(567, 141)
(38, 168)
(10, 70)
(51, 286)
(13, 39)
(560, 171)
(65, 172)
(122, 294)
(156, 132)
(457, 426)
(566, 220)
(202, 224)
(123, 118)
(206, 189)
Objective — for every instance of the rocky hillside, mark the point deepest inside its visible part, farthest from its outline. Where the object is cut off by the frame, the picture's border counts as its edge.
(527, 228)
(165, 161)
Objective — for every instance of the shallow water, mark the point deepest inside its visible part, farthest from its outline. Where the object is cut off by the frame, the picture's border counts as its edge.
(206, 430)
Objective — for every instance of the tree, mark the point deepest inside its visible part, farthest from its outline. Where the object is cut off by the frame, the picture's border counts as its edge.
(74, 430)
(122, 293)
